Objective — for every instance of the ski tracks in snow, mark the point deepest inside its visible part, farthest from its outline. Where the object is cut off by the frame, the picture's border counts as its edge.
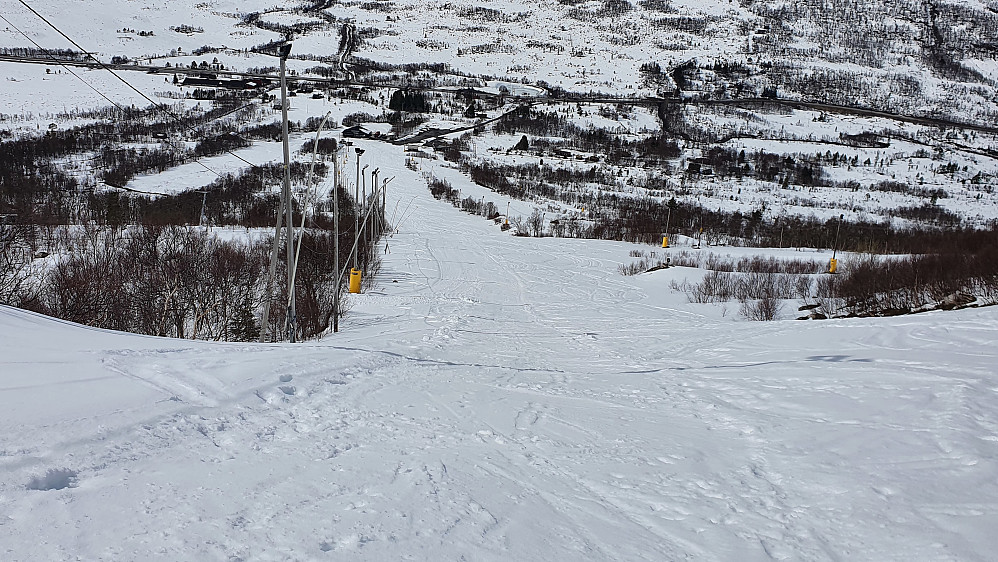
(500, 398)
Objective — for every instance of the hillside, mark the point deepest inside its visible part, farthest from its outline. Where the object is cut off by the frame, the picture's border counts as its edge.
(919, 59)
(526, 372)
(499, 398)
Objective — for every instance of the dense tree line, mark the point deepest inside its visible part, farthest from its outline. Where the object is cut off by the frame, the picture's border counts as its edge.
(40, 187)
(408, 100)
(63, 54)
(120, 165)
(125, 125)
(184, 283)
(248, 198)
(15, 263)
(798, 169)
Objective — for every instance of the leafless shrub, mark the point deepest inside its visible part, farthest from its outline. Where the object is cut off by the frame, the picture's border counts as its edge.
(826, 295)
(632, 268)
(748, 264)
(770, 264)
(718, 263)
(873, 286)
(802, 286)
(520, 225)
(755, 285)
(764, 309)
(15, 265)
(686, 259)
(535, 223)
(442, 189)
(182, 282)
(759, 264)
(716, 286)
(640, 266)
(722, 286)
(802, 267)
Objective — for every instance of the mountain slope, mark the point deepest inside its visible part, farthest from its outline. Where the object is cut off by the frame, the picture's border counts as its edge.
(500, 398)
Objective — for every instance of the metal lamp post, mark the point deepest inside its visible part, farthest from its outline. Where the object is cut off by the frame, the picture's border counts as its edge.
(336, 239)
(363, 208)
(374, 205)
(288, 207)
(384, 201)
(835, 247)
(356, 214)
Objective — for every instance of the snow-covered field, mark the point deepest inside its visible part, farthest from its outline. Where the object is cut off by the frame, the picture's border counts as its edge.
(503, 398)
(493, 397)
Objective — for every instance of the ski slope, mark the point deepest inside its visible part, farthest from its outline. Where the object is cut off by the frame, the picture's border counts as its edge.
(503, 398)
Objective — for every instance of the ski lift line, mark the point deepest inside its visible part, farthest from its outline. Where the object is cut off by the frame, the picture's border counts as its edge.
(158, 106)
(130, 190)
(395, 212)
(404, 211)
(404, 217)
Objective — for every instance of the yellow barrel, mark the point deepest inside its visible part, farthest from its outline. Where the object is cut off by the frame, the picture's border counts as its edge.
(665, 241)
(354, 280)
(833, 264)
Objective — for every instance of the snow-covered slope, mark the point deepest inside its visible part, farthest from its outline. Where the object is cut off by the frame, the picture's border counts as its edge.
(499, 398)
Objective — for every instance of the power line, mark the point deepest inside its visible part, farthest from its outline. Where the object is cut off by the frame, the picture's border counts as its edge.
(60, 63)
(155, 104)
(131, 190)
(92, 87)
(99, 62)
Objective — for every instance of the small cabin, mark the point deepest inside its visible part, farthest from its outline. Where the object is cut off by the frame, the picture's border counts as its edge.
(357, 132)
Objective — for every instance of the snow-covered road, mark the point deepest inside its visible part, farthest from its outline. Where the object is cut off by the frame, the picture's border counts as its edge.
(501, 398)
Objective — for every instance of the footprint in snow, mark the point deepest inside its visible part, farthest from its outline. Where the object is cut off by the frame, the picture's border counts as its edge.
(286, 378)
(54, 479)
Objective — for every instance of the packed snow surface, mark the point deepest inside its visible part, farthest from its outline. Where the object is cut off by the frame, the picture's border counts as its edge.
(503, 398)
